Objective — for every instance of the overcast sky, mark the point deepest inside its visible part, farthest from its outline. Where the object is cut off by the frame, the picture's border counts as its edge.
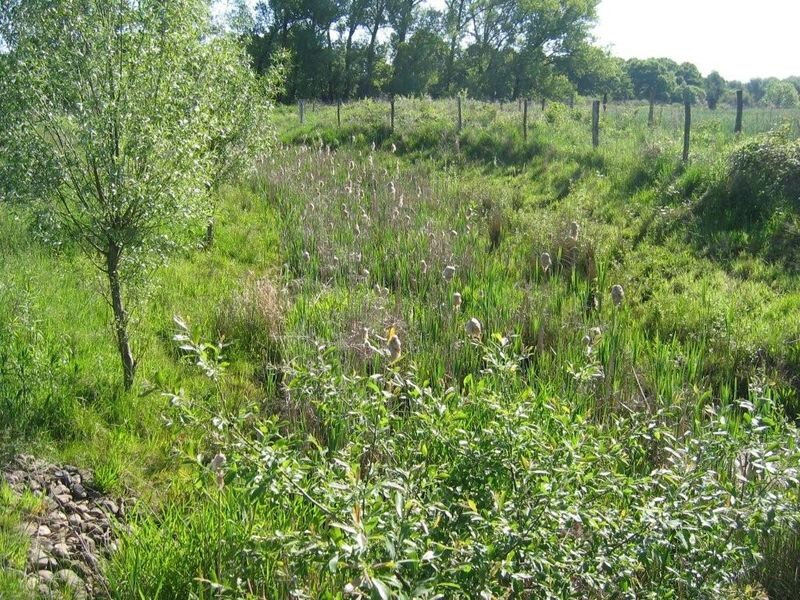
(739, 38)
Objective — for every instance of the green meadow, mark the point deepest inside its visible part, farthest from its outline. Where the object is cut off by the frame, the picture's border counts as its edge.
(578, 444)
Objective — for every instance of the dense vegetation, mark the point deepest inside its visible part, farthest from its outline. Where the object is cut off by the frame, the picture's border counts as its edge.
(488, 49)
(410, 362)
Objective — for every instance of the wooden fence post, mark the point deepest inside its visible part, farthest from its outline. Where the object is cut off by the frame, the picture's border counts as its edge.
(339, 113)
(302, 105)
(739, 111)
(459, 113)
(543, 103)
(605, 102)
(687, 128)
(391, 104)
(572, 101)
(596, 123)
(525, 120)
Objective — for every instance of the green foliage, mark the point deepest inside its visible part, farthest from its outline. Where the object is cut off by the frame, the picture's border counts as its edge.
(764, 175)
(13, 542)
(578, 448)
(403, 491)
(519, 48)
(652, 79)
(781, 94)
(119, 119)
(715, 87)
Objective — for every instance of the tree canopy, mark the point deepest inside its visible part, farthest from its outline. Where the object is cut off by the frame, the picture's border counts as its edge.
(492, 48)
(118, 117)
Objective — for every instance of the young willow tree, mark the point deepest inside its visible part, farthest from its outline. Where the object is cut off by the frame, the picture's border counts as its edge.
(121, 115)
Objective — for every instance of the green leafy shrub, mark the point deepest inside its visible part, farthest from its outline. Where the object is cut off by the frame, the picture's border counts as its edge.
(497, 490)
(764, 175)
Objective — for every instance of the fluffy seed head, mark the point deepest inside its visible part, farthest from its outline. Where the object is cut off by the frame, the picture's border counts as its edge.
(617, 294)
(448, 272)
(394, 345)
(473, 328)
(457, 300)
(574, 229)
(218, 462)
(546, 261)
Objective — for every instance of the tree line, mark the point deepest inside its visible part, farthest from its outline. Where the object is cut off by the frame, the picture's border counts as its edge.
(489, 49)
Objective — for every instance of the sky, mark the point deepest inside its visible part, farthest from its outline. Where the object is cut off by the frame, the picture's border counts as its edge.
(741, 39)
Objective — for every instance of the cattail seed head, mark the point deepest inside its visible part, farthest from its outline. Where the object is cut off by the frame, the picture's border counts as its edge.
(448, 272)
(617, 294)
(473, 328)
(218, 462)
(574, 230)
(457, 300)
(546, 261)
(394, 345)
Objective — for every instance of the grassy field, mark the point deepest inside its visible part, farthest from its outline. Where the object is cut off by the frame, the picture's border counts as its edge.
(577, 446)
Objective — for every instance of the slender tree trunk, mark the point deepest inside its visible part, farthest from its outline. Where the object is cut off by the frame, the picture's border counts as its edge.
(651, 116)
(113, 256)
(451, 56)
(348, 62)
(367, 88)
(334, 74)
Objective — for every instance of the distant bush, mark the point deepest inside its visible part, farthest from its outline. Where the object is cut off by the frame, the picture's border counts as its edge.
(764, 173)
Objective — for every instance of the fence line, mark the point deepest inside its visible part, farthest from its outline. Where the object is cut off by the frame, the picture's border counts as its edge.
(616, 118)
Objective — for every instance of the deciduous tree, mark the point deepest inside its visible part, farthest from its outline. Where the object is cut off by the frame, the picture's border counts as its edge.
(117, 117)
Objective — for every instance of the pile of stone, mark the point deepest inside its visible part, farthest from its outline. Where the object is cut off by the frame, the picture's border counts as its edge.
(73, 532)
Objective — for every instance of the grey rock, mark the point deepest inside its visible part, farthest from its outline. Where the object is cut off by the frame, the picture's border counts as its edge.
(75, 520)
(46, 576)
(90, 559)
(96, 513)
(43, 531)
(63, 477)
(59, 489)
(110, 506)
(79, 492)
(35, 553)
(28, 528)
(88, 543)
(61, 551)
(68, 578)
(71, 580)
(46, 563)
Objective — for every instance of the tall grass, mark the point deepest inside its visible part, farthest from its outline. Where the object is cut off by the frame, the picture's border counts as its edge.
(577, 449)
